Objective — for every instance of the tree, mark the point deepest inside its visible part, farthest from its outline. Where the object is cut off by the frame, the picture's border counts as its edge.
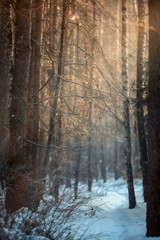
(32, 128)
(127, 134)
(16, 187)
(77, 170)
(90, 94)
(153, 199)
(140, 89)
(5, 65)
(52, 127)
(103, 161)
(116, 162)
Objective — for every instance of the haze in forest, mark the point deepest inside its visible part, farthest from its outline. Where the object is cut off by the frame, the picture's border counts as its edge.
(79, 105)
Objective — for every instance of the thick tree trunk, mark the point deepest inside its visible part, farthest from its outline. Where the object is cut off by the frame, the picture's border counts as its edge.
(32, 126)
(153, 199)
(32, 129)
(140, 80)
(127, 134)
(16, 184)
(5, 57)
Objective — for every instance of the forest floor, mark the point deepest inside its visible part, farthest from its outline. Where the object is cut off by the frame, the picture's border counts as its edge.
(109, 217)
(103, 216)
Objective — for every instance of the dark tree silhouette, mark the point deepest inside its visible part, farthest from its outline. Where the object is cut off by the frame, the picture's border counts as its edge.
(15, 196)
(153, 199)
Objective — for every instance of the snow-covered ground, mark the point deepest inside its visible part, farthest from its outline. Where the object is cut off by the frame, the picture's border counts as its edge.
(104, 216)
(107, 217)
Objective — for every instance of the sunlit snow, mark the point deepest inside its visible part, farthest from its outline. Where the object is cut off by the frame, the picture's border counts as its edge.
(104, 216)
(109, 217)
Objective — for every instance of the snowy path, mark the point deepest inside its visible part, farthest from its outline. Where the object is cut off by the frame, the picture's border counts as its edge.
(107, 217)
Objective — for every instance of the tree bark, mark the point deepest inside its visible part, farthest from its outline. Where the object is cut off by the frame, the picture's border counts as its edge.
(127, 134)
(57, 87)
(140, 80)
(32, 129)
(116, 161)
(5, 58)
(90, 110)
(52, 138)
(78, 159)
(16, 187)
(103, 163)
(153, 199)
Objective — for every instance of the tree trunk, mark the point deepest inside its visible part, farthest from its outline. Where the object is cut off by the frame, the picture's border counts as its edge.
(78, 159)
(89, 164)
(153, 199)
(57, 87)
(34, 82)
(90, 102)
(55, 161)
(140, 81)
(16, 184)
(68, 169)
(127, 136)
(5, 57)
(116, 161)
(103, 164)
(54, 171)
(32, 126)
(96, 164)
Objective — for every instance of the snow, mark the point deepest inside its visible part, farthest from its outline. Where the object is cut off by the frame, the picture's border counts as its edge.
(104, 216)
(109, 217)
